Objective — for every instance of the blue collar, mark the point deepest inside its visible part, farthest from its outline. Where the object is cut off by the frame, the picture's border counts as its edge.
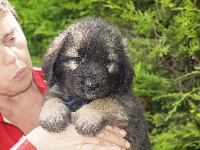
(75, 101)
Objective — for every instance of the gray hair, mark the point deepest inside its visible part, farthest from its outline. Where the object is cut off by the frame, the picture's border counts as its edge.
(5, 6)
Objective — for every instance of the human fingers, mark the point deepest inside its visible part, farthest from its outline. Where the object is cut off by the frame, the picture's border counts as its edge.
(114, 136)
(116, 130)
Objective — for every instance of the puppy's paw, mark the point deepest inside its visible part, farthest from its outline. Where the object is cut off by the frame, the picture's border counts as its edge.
(54, 116)
(87, 122)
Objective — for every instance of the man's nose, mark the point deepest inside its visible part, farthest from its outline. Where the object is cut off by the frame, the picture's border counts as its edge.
(9, 57)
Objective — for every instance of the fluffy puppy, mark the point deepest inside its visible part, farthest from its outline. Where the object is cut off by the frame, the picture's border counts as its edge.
(88, 64)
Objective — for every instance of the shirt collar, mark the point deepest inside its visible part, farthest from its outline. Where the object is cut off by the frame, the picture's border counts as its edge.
(38, 77)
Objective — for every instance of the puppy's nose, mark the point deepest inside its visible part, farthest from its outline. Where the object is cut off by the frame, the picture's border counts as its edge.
(92, 85)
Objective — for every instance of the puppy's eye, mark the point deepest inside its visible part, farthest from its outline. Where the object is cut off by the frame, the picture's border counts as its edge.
(78, 59)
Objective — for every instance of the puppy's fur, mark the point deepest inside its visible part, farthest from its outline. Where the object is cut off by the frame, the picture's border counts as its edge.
(88, 62)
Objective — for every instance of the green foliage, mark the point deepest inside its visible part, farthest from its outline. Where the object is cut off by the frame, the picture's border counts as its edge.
(181, 137)
(164, 42)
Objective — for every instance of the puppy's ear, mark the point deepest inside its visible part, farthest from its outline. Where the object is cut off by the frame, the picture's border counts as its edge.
(126, 75)
(48, 64)
(51, 57)
(127, 72)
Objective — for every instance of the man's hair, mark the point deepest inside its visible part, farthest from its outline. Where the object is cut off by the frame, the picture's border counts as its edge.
(5, 6)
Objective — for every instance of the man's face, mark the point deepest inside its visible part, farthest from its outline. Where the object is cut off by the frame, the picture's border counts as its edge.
(15, 62)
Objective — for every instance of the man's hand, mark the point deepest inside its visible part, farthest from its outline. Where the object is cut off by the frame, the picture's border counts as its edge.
(111, 138)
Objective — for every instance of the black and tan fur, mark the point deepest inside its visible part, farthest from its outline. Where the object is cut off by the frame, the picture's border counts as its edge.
(89, 61)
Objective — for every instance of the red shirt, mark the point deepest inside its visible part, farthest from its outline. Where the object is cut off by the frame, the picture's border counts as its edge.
(10, 134)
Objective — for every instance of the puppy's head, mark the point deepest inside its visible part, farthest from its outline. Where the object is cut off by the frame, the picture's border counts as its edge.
(88, 59)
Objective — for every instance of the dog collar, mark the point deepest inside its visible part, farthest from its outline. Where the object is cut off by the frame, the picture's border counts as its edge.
(75, 103)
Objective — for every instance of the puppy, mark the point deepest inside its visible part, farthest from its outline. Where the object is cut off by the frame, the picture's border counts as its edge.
(88, 72)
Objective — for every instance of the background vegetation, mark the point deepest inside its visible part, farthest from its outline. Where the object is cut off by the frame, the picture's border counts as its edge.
(164, 42)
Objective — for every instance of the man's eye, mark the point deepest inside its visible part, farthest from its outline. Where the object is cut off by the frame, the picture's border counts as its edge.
(10, 39)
